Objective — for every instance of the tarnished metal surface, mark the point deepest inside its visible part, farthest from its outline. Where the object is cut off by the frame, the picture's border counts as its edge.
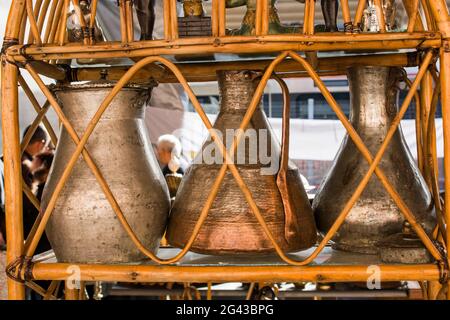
(374, 98)
(231, 226)
(3, 287)
(83, 227)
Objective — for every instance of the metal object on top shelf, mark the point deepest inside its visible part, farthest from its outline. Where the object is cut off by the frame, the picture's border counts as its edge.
(231, 227)
(79, 29)
(248, 26)
(194, 23)
(145, 13)
(375, 216)
(83, 228)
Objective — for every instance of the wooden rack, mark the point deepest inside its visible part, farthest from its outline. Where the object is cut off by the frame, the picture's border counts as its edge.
(425, 42)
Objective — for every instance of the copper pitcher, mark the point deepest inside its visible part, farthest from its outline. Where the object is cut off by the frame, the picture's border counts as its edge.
(374, 104)
(231, 226)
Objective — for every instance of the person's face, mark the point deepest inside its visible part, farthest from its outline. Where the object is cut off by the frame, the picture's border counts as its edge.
(164, 156)
(36, 147)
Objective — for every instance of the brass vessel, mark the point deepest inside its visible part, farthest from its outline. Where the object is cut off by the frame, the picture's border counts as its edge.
(83, 227)
(231, 226)
(375, 216)
(248, 26)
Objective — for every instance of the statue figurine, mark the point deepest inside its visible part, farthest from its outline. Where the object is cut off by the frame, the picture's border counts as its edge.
(330, 12)
(194, 23)
(371, 19)
(248, 23)
(145, 12)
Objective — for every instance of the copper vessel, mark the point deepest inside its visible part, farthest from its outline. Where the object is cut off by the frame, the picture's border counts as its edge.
(231, 226)
(83, 227)
(248, 26)
(375, 216)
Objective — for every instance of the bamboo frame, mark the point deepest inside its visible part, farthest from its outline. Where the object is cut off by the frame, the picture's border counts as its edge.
(149, 52)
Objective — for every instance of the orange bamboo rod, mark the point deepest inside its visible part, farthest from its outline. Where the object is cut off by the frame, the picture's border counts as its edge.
(219, 274)
(348, 25)
(32, 129)
(13, 175)
(215, 18)
(37, 108)
(62, 32)
(359, 14)
(380, 15)
(123, 23)
(268, 43)
(56, 19)
(32, 14)
(173, 20)
(311, 14)
(129, 20)
(413, 14)
(306, 17)
(42, 16)
(265, 17)
(167, 24)
(80, 15)
(11, 149)
(445, 99)
(222, 18)
(418, 125)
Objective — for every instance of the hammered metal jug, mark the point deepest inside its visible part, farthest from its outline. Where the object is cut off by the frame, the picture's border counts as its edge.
(375, 216)
(231, 226)
(83, 227)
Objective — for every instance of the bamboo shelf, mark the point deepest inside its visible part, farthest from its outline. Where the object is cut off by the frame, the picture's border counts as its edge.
(304, 54)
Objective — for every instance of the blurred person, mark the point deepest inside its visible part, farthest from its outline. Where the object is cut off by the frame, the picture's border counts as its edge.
(38, 144)
(168, 151)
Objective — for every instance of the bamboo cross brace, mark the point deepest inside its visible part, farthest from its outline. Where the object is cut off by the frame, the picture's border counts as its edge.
(413, 17)
(359, 13)
(42, 16)
(34, 125)
(37, 108)
(33, 24)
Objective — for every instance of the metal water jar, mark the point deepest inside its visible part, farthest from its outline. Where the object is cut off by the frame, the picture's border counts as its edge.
(83, 227)
(231, 227)
(374, 92)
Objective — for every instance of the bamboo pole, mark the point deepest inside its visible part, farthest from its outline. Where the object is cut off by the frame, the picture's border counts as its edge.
(268, 43)
(37, 108)
(306, 17)
(76, 6)
(380, 15)
(11, 149)
(413, 14)
(63, 23)
(348, 25)
(42, 16)
(55, 22)
(259, 17)
(32, 16)
(167, 24)
(222, 19)
(71, 293)
(426, 94)
(359, 14)
(201, 72)
(173, 19)
(265, 17)
(242, 273)
(445, 99)
(129, 20)
(215, 18)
